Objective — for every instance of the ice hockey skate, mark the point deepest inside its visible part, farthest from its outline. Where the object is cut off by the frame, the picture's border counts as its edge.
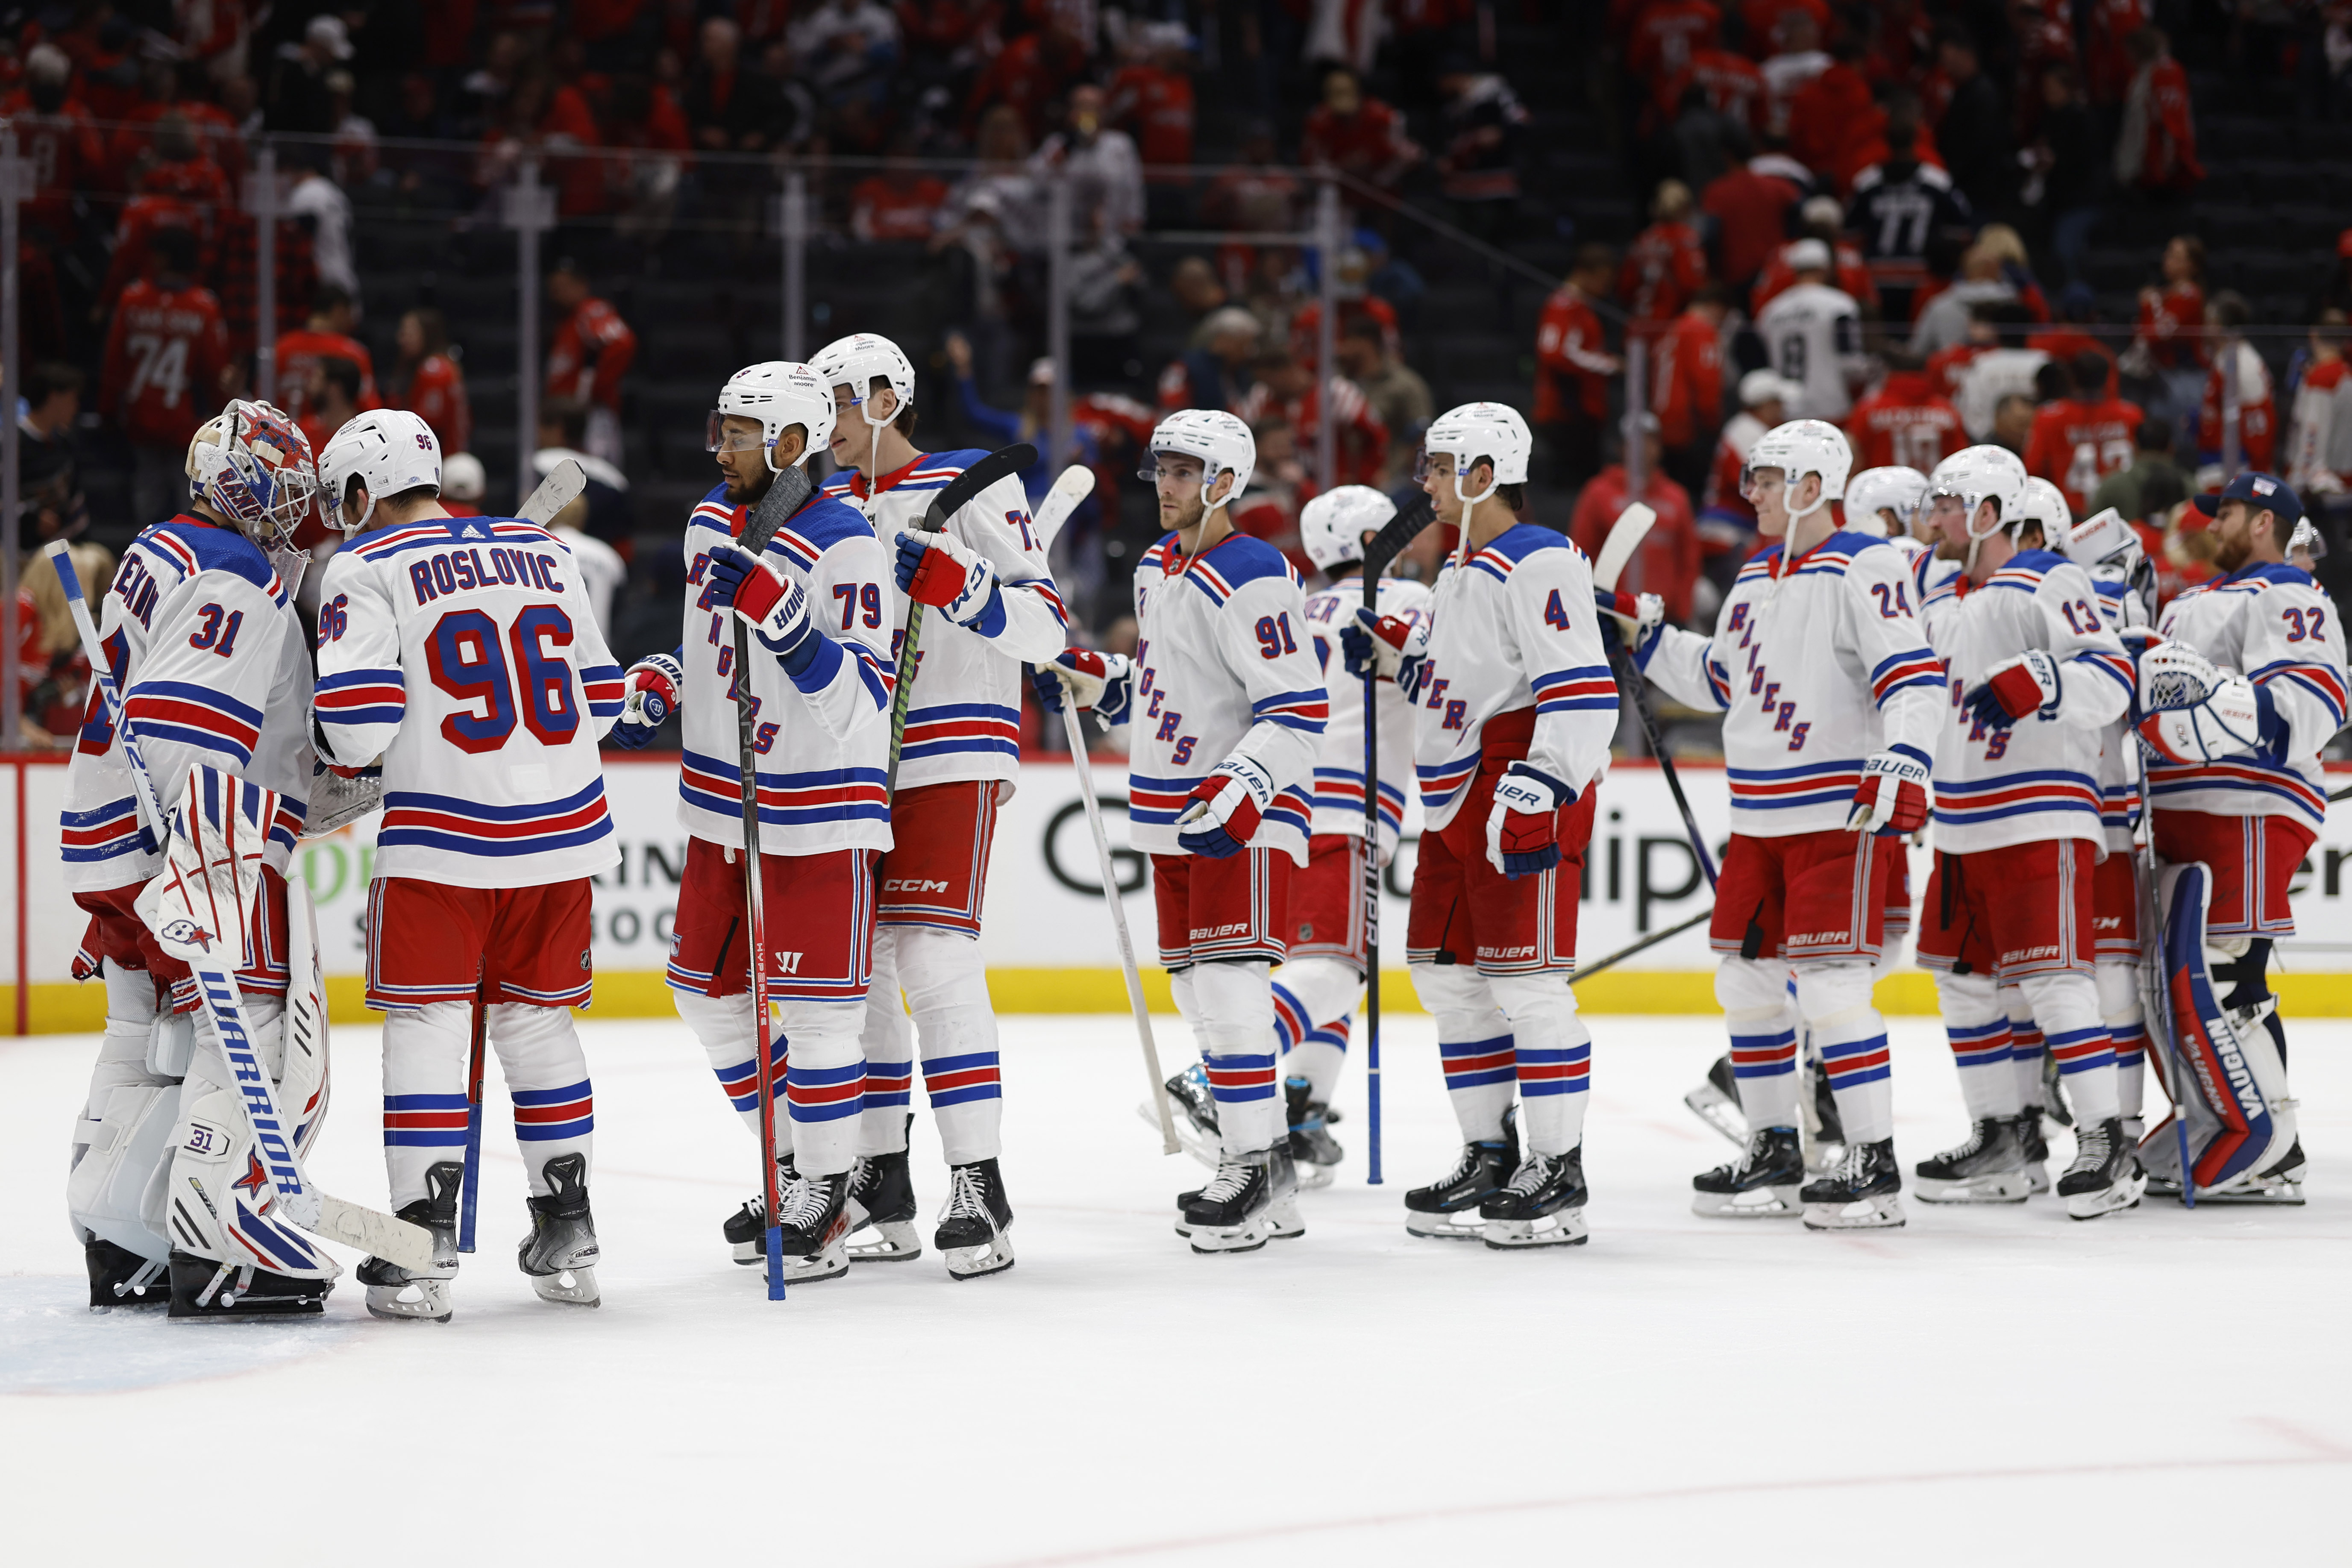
(747, 1228)
(1247, 1202)
(2037, 1151)
(1195, 1113)
(1313, 1150)
(1762, 1183)
(559, 1254)
(1448, 1207)
(1716, 1101)
(1863, 1193)
(2280, 1182)
(2105, 1176)
(394, 1293)
(1989, 1168)
(881, 1210)
(974, 1225)
(814, 1215)
(1541, 1205)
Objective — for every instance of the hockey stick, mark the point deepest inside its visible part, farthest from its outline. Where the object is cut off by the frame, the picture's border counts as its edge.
(297, 1198)
(787, 492)
(470, 1189)
(2154, 980)
(1384, 548)
(560, 487)
(1000, 464)
(1588, 971)
(1625, 537)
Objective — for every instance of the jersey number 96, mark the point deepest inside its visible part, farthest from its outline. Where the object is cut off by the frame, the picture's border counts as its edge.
(468, 661)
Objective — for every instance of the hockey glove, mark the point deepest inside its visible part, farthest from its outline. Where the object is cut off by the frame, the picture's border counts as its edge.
(775, 605)
(1103, 682)
(951, 576)
(2017, 688)
(652, 688)
(202, 905)
(2234, 718)
(1640, 618)
(1522, 829)
(1893, 796)
(1385, 646)
(1225, 808)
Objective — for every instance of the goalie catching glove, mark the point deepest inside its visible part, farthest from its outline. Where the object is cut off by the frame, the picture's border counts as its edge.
(1225, 809)
(944, 573)
(1387, 646)
(1523, 827)
(203, 906)
(775, 605)
(1103, 682)
(1893, 796)
(651, 687)
(1639, 616)
(2017, 688)
(2196, 712)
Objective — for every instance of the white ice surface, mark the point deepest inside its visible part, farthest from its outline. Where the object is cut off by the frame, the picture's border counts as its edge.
(1986, 1384)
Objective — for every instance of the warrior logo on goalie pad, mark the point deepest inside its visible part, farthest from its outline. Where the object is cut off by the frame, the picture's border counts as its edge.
(2234, 1098)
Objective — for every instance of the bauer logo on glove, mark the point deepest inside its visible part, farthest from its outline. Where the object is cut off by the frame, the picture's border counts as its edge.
(2017, 688)
(1224, 810)
(1522, 827)
(1893, 796)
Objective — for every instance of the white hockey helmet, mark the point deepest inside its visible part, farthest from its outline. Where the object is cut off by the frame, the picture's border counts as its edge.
(463, 478)
(855, 361)
(1481, 431)
(1222, 442)
(252, 464)
(1761, 386)
(2306, 539)
(779, 394)
(2102, 539)
(1332, 526)
(1974, 475)
(1798, 447)
(1874, 490)
(389, 450)
(2046, 503)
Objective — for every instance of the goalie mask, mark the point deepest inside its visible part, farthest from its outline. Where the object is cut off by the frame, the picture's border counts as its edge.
(252, 466)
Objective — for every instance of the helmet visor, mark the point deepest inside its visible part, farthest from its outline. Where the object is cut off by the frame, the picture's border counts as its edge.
(718, 437)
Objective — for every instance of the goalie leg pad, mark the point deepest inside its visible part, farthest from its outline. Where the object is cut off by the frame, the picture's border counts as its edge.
(122, 1162)
(1474, 1044)
(2234, 1097)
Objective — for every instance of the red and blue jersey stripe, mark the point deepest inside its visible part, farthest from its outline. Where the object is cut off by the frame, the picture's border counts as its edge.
(1901, 671)
(1307, 712)
(1440, 781)
(824, 795)
(950, 729)
(2319, 679)
(102, 833)
(1342, 789)
(193, 716)
(1784, 789)
(1157, 802)
(1582, 688)
(362, 697)
(416, 819)
(1978, 800)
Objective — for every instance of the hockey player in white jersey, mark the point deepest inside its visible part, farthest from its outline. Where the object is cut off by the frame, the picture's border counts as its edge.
(1316, 989)
(2246, 687)
(2035, 676)
(1514, 708)
(1886, 501)
(989, 607)
(199, 632)
(820, 683)
(1832, 701)
(1812, 333)
(461, 656)
(2109, 552)
(1227, 710)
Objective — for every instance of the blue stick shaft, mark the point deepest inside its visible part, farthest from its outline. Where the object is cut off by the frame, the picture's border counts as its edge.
(470, 1188)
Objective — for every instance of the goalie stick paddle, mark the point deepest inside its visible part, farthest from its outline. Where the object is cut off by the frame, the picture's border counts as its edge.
(297, 1198)
(1384, 548)
(1000, 464)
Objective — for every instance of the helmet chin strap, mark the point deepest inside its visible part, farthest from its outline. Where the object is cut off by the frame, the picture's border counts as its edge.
(1462, 535)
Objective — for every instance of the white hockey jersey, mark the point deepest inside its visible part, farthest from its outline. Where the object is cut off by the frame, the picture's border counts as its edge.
(199, 631)
(1814, 334)
(2119, 805)
(1816, 666)
(2039, 778)
(823, 742)
(1225, 666)
(2272, 625)
(463, 651)
(964, 720)
(1512, 627)
(1340, 769)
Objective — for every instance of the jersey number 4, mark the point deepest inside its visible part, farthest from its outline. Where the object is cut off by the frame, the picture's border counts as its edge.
(468, 661)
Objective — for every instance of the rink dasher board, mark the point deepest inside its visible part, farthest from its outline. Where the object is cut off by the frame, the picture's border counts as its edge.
(1048, 946)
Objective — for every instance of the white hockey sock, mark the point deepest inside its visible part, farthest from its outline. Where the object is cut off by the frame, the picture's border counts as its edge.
(2120, 1005)
(2026, 1047)
(1762, 1020)
(1474, 1044)
(1233, 1020)
(131, 1014)
(547, 1078)
(726, 1026)
(427, 1052)
(2067, 1006)
(1313, 1000)
(825, 1082)
(1553, 1051)
(1978, 1026)
(1852, 1037)
(890, 1043)
(947, 984)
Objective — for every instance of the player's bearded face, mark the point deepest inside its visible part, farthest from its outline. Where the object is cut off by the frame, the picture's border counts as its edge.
(1947, 516)
(1178, 485)
(2234, 536)
(739, 457)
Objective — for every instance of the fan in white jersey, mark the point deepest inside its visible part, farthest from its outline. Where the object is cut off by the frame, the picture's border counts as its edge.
(989, 607)
(1226, 707)
(1813, 334)
(2246, 687)
(2008, 927)
(819, 687)
(1315, 991)
(1832, 701)
(215, 682)
(1514, 708)
(461, 656)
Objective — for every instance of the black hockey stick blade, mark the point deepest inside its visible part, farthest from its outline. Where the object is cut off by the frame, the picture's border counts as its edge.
(1395, 535)
(1000, 464)
(789, 493)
